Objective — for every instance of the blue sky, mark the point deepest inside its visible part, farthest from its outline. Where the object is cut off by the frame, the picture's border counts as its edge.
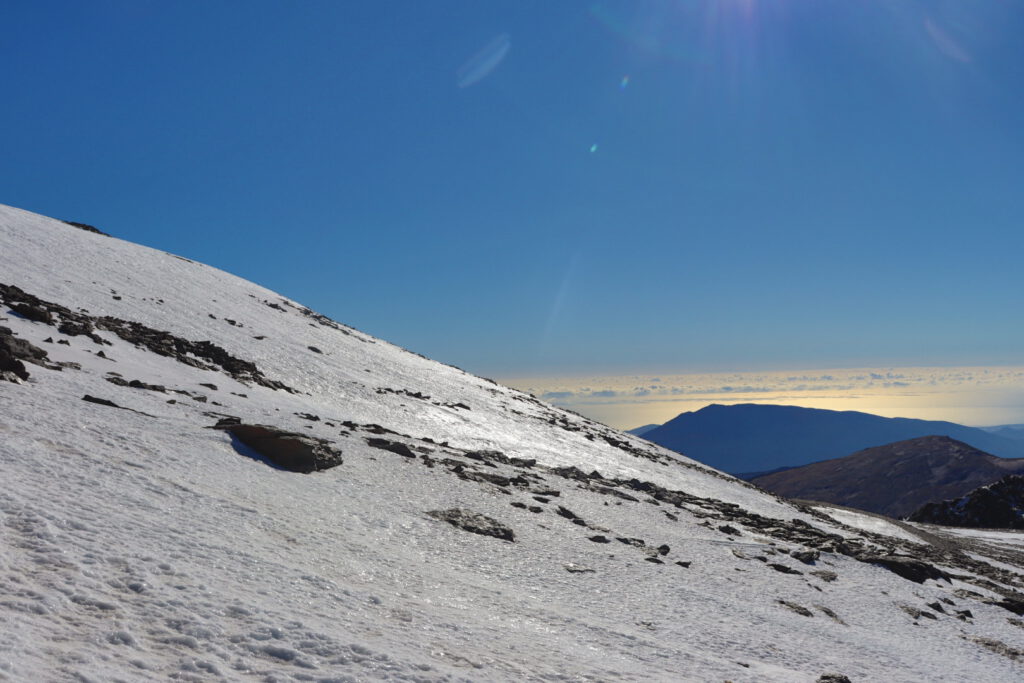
(528, 188)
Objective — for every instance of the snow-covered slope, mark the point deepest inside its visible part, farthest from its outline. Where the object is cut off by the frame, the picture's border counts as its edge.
(138, 544)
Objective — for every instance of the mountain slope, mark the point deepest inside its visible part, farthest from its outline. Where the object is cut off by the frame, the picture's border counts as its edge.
(894, 479)
(759, 438)
(138, 543)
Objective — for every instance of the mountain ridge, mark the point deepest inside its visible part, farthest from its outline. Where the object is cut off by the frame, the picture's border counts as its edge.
(756, 437)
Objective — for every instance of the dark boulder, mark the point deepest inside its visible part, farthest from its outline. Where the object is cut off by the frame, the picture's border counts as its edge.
(13, 351)
(288, 450)
(907, 567)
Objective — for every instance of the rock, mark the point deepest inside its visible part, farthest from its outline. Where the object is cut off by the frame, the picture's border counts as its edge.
(731, 530)
(474, 522)
(314, 349)
(805, 556)
(100, 401)
(663, 549)
(290, 451)
(783, 568)
(999, 647)
(14, 350)
(833, 678)
(87, 228)
(32, 312)
(825, 575)
(907, 567)
(599, 539)
(684, 565)
(393, 446)
(577, 569)
(802, 611)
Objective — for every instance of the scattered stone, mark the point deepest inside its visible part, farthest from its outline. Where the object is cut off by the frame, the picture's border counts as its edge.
(684, 565)
(290, 451)
(209, 385)
(308, 416)
(731, 530)
(314, 349)
(577, 569)
(599, 539)
(917, 613)
(653, 560)
(517, 504)
(802, 611)
(833, 678)
(783, 568)
(829, 613)
(998, 646)
(663, 550)
(474, 523)
(825, 575)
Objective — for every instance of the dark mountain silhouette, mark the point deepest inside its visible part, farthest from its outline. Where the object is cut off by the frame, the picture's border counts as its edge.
(895, 479)
(761, 438)
(640, 431)
(997, 506)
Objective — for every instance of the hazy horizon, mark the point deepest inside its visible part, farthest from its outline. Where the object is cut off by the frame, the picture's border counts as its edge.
(973, 396)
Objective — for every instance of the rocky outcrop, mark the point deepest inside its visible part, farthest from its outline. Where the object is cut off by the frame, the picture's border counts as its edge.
(474, 522)
(13, 351)
(201, 354)
(997, 506)
(287, 450)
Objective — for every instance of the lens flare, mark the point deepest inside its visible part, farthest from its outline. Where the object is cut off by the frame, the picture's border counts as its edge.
(479, 66)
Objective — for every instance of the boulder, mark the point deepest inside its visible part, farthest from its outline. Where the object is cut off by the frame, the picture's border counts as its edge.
(288, 450)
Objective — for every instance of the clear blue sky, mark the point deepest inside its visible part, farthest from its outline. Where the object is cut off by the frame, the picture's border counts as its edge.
(802, 183)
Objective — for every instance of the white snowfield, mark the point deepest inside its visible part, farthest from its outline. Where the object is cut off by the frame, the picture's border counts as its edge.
(137, 544)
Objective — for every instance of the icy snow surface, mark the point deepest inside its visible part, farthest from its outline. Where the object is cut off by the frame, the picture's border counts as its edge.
(141, 545)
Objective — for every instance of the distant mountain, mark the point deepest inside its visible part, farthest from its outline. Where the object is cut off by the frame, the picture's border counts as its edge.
(761, 438)
(895, 479)
(997, 506)
(1015, 432)
(640, 431)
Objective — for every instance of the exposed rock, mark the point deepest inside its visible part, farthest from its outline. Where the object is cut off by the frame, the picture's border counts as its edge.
(783, 568)
(909, 568)
(825, 575)
(202, 354)
(833, 678)
(474, 523)
(393, 446)
(87, 228)
(577, 569)
(599, 539)
(805, 556)
(290, 451)
(14, 350)
(802, 611)
(998, 646)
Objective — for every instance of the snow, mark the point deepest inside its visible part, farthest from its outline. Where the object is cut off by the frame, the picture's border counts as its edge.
(866, 521)
(142, 546)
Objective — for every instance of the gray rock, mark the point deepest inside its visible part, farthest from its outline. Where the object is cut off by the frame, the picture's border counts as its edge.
(474, 522)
